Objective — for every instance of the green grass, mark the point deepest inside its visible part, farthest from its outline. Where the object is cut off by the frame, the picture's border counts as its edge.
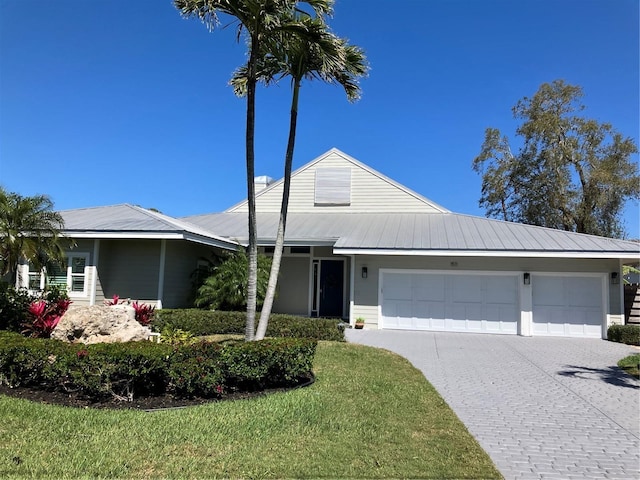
(631, 365)
(370, 414)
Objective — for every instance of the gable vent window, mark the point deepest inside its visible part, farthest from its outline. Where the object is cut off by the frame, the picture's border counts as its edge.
(333, 186)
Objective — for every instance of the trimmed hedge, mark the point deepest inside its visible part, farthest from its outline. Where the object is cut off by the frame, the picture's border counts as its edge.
(629, 334)
(212, 322)
(127, 370)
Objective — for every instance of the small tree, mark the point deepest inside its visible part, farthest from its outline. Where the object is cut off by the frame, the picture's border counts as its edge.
(308, 52)
(29, 231)
(226, 286)
(572, 173)
(259, 19)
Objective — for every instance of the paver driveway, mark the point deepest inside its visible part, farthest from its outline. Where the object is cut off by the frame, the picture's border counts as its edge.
(541, 407)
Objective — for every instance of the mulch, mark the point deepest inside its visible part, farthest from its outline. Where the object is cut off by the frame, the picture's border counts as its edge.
(150, 403)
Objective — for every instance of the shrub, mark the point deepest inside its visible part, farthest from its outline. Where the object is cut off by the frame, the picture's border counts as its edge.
(126, 370)
(210, 322)
(14, 305)
(225, 285)
(629, 334)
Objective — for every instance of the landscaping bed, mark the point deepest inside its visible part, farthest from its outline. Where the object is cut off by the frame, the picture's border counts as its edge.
(208, 322)
(148, 374)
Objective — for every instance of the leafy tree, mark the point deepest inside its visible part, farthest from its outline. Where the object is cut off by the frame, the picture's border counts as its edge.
(309, 52)
(29, 231)
(226, 286)
(571, 173)
(260, 19)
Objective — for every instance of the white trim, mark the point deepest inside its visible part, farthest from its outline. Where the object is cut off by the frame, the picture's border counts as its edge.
(352, 282)
(483, 253)
(163, 256)
(94, 283)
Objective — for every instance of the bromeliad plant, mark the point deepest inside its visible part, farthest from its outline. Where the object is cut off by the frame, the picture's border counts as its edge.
(45, 316)
(144, 313)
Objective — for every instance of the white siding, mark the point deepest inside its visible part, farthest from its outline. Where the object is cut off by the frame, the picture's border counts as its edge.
(369, 192)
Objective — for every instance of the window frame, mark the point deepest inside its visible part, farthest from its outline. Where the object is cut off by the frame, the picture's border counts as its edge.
(69, 257)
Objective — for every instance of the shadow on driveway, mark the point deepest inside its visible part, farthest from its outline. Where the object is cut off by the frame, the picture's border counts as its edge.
(612, 375)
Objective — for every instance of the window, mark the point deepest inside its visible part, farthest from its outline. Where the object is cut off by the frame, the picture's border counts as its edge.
(333, 186)
(72, 276)
(295, 250)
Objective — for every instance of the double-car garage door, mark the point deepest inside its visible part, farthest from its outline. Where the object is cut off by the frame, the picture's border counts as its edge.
(485, 302)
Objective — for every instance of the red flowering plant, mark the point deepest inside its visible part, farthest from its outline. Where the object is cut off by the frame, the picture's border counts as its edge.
(114, 301)
(45, 315)
(144, 313)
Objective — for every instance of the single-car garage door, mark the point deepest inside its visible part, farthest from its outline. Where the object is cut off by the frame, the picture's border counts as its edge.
(567, 306)
(460, 302)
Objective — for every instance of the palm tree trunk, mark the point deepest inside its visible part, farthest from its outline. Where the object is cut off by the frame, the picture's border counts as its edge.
(252, 277)
(279, 247)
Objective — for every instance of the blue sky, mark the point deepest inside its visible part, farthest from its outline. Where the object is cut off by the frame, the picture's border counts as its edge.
(105, 102)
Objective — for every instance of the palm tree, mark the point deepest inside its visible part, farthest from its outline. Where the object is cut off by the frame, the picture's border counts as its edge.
(309, 51)
(29, 231)
(260, 19)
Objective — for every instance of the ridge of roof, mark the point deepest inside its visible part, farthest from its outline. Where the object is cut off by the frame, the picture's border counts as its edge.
(359, 164)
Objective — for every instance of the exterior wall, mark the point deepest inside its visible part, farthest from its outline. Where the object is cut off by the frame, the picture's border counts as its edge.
(129, 269)
(181, 261)
(366, 290)
(369, 193)
(293, 286)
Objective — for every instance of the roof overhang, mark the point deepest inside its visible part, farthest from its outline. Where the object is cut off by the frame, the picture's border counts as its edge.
(624, 256)
(132, 235)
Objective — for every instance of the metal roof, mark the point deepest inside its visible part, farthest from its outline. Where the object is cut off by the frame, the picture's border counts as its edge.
(130, 221)
(419, 234)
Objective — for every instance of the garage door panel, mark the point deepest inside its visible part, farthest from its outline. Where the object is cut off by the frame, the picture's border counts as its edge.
(501, 290)
(549, 291)
(397, 286)
(466, 288)
(584, 292)
(428, 288)
(503, 319)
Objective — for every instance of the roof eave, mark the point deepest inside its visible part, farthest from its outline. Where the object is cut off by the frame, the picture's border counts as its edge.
(625, 256)
(138, 235)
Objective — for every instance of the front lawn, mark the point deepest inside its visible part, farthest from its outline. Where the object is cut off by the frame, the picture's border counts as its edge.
(370, 414)
(631, 365)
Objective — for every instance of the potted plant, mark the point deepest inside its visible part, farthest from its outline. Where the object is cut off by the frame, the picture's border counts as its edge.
(360, 322)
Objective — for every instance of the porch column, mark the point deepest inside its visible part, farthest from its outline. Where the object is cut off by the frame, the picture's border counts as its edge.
(526, 307)
(163, 255)
(352, 281)
(94, 271)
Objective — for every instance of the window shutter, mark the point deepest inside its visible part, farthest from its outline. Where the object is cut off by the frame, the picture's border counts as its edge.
(333, 186)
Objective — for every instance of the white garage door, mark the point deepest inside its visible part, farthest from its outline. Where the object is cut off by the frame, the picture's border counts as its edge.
(567, 306)
(458, 302)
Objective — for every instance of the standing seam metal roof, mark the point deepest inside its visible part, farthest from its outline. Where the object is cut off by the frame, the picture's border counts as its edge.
(415, 231)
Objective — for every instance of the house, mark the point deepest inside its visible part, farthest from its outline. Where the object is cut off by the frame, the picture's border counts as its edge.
(359, 244)
(129, 251)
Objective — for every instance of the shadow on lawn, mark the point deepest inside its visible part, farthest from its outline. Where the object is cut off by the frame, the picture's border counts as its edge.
(612, 375)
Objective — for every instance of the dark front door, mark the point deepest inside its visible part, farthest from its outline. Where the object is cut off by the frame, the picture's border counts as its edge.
(331, 288)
